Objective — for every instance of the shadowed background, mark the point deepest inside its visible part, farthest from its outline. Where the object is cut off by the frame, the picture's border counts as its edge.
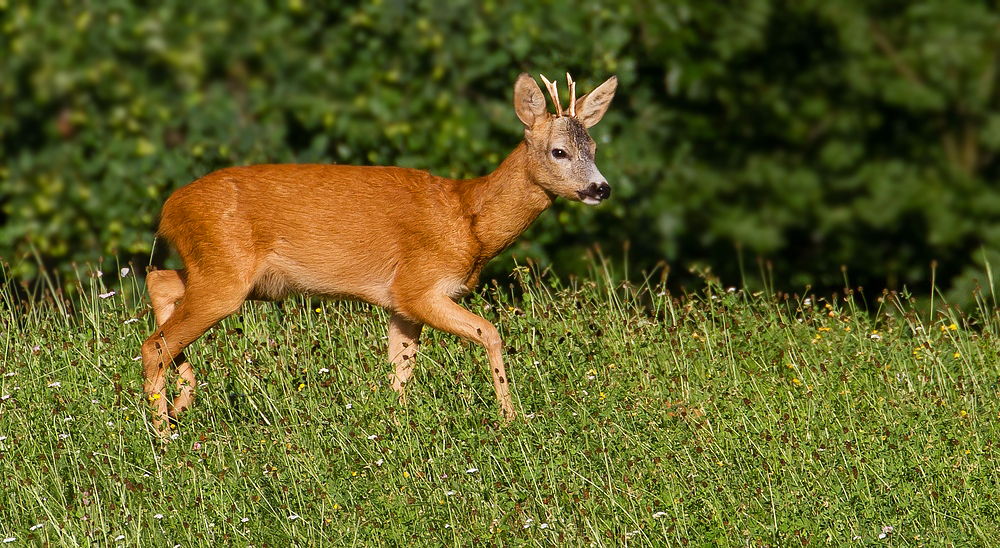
(811, 134)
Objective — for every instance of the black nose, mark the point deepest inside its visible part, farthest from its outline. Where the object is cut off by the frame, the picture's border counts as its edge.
(595, 191)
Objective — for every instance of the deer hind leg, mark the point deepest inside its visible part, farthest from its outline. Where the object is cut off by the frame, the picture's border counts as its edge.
(440, 312)
(404, 341)
(202, 306)
(165, 287)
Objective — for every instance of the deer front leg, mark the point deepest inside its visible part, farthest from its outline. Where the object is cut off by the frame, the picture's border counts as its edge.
(440, 312)
(403, 343)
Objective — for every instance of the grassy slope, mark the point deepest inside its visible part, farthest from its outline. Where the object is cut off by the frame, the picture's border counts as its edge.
(720, 416)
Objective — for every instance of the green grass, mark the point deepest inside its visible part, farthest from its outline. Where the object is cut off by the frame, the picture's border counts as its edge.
(720, 417)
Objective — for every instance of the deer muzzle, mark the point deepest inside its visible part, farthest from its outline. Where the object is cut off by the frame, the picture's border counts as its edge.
(595, 193)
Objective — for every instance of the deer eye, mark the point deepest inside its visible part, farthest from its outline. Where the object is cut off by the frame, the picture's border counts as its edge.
(558, 153)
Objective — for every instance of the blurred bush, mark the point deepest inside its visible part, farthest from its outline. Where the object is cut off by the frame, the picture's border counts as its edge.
(813, 133)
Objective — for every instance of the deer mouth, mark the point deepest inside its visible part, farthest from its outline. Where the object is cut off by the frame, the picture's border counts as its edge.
(595, 193)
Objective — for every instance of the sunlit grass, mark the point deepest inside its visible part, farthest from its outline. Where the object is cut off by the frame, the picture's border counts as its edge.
(645, 418)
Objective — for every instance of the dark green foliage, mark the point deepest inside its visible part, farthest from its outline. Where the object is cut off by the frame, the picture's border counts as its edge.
(812, 133)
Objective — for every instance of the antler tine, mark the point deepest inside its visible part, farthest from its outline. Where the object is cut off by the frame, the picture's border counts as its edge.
(554, 92)
(572, 95)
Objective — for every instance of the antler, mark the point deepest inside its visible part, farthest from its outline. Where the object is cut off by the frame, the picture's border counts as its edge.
(554, 93)
(572, 95)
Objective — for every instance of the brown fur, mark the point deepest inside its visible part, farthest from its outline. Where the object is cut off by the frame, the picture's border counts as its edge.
(400, 238)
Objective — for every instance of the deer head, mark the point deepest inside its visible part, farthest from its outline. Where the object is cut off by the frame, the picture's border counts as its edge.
(560, 149)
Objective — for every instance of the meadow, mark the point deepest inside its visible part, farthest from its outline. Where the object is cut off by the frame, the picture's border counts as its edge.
(715, 416)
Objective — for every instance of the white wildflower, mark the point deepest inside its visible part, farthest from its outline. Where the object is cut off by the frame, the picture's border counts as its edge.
(106, 295)
(293, 517)
(55, 384)
(471, 470)
(659, 515)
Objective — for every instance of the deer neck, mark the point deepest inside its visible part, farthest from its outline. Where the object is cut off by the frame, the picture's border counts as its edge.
(504, 203)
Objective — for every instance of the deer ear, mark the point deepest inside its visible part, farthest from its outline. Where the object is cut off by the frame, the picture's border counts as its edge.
(591, 107)
(529, 103)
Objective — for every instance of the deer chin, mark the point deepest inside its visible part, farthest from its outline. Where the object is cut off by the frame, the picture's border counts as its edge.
(595, 193)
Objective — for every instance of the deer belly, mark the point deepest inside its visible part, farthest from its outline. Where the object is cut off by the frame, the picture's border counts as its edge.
(339, 276)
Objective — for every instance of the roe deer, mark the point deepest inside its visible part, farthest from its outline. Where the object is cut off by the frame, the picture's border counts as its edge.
(399, 238)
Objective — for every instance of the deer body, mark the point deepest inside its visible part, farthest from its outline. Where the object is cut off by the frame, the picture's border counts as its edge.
(399, 238)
